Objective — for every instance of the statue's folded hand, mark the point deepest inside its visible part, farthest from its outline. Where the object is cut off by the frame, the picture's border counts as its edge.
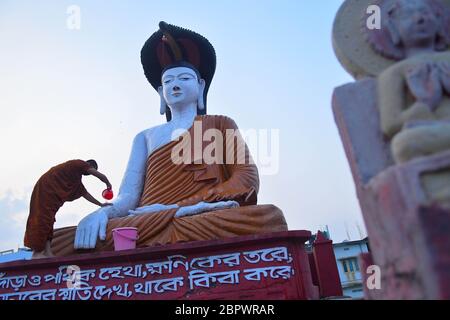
(205, 207)
(152, 209)
(90, 227)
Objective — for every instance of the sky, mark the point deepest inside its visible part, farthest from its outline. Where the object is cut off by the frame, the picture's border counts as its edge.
(80, 94)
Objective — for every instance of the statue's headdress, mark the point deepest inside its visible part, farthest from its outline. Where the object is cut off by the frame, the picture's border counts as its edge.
(174, 45)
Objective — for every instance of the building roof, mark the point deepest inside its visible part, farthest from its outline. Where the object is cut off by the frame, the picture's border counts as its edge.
(349, 243)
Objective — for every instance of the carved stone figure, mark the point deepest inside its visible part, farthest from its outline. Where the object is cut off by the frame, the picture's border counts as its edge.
(394, 122)
(414, 94)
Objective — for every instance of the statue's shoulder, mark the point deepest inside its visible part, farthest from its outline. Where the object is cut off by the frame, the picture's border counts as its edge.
(399, 67)
(150, 132)
(218, 120)
(404, 65)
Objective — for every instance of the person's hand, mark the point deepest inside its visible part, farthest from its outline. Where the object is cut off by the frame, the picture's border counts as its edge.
(152, 208)
(106, 204)
(90, 228)
(205, 207)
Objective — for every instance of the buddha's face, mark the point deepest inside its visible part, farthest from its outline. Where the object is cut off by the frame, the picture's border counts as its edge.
(415, 23)
(180, 86)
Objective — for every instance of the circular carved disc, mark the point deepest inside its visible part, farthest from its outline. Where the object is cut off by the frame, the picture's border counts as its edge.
(349, 42)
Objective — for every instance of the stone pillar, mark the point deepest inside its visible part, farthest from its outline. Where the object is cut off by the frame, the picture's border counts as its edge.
(405, 203)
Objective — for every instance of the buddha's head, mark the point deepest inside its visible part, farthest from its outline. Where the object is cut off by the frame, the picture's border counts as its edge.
(411, 24)
(178, 59)
(181, 86)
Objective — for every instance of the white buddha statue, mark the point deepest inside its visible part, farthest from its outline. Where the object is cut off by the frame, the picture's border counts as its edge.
(173, 202)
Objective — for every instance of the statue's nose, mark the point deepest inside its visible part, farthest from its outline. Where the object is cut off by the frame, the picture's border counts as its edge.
(176, 88)
(420, 20)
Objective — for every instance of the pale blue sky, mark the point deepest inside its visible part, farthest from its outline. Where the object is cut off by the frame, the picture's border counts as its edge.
(69, 94)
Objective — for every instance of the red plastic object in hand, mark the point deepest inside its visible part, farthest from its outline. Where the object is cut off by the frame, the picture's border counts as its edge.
(108, 194)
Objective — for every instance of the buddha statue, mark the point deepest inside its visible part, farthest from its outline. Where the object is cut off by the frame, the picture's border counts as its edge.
(177, 186)
(414, 93)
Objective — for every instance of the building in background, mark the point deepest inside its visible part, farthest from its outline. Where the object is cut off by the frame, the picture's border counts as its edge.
(11, 255)
(347, 254)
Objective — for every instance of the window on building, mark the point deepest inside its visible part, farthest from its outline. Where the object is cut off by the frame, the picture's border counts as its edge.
(350, 266)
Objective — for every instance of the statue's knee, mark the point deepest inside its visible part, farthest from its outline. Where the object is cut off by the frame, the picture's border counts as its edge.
(422, 141)
(404, 147)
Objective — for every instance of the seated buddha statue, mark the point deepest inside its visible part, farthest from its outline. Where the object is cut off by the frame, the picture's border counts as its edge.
(414, 93)
(180, 185)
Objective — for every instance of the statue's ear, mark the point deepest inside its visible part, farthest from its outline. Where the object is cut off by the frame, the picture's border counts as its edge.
(393, 33)
(442, 39)
(163, 105)
(391, 28)
(200, 102)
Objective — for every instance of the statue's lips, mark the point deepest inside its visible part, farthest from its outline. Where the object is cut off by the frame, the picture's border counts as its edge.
(423, 27)
(423, 33)
(177, 94)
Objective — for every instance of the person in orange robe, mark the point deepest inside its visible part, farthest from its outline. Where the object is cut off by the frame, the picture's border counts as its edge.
(60, 184)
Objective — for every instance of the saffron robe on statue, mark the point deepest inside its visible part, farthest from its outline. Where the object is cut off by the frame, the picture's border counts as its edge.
(187, 184)
(60, 184)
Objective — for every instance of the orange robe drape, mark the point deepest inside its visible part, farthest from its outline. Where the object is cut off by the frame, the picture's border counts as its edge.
(60, 184)
(186, 184)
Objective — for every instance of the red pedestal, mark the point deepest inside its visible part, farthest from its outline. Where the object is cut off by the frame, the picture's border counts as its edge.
(270, 266)
(326, 270)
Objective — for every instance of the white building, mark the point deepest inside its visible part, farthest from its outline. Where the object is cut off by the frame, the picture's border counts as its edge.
(347, 254)
(11, 255)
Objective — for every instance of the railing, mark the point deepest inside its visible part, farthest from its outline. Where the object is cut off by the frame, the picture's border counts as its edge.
(351, 283)
(6, 252)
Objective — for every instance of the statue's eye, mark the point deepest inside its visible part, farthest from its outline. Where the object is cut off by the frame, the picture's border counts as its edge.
(184, 78)
(167, 81)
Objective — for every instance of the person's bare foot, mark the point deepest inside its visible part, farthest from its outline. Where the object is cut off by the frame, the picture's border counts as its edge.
(38, 255)
(48, 250)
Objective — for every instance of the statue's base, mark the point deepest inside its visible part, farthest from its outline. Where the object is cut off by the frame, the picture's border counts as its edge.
(406, 207)
(267, 266)
(409, 230)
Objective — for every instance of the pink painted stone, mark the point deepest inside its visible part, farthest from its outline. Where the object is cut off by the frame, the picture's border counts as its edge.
(409, 240)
